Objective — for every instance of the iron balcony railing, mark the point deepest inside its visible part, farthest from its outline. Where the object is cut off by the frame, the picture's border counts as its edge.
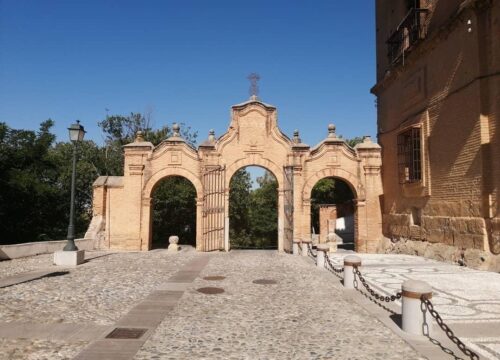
(411, 29)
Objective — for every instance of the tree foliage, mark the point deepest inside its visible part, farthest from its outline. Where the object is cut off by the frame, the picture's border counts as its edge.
(253, 213)
(35, 178)
(174, 211)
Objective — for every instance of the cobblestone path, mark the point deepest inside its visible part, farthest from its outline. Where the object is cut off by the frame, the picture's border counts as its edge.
(303, 316)
(55, 313)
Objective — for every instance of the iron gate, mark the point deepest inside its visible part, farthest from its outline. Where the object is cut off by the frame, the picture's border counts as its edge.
(213, 208)
(288, 199)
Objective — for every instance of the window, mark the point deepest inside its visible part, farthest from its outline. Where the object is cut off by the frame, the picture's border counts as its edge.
(409, 158)
(416, 216)
(411, 29)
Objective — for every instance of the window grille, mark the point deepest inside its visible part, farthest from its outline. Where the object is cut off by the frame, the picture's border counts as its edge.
(409, 156)
(411, 29)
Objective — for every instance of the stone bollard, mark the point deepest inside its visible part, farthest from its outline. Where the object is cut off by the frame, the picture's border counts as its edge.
(411, 308)
(173, 241)
(321, 258)
(295, 248)
(350, 262)
(333, 247)
(305, 244)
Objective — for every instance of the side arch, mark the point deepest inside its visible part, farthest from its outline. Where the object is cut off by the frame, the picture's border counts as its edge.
(158, 176)
(347, 177)
(146, 208)
(354, 184)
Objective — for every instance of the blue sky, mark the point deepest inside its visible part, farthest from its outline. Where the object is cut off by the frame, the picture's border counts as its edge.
(187, 61)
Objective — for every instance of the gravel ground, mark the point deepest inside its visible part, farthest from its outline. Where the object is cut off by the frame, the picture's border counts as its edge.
(22, 265)
(303, 316)
(26, 349)
(99, 291)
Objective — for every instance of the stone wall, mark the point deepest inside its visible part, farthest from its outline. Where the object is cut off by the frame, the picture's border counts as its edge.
(41, 247)
(473, 258)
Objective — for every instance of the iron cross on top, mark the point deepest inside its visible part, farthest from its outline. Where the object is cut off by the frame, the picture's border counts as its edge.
(254, 87)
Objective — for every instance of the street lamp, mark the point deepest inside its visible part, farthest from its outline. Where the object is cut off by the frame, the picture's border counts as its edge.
(76, 134)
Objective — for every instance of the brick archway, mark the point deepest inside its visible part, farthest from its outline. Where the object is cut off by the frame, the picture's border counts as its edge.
(351, 181)
(146, 210)
(232, 170)
(123, 204)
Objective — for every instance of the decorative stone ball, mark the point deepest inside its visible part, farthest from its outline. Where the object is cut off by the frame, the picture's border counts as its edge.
(174, 239)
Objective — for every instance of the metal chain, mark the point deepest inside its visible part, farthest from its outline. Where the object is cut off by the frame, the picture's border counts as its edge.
(330, 265)
(310, 251)
(379, 297)
(427, 305)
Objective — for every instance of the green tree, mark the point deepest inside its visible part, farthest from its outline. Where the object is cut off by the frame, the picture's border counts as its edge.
(34, 184)
(354, 141)
(253, 213)
(174, 211)
(263, 211)
(239, 199)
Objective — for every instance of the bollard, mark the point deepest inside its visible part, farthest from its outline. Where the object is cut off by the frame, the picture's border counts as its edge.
(305, 244)
(350, 262)
(321, 258)
(295, 248)
(414, 318)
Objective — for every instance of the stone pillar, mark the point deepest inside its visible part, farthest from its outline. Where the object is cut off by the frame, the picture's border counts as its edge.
(147, 223)
(281, 222)
(369, 213)
(321, 258)
(296, 243)
(305, 244)
(199, 223)
(350, 262)
(413, 316)
(327, 213)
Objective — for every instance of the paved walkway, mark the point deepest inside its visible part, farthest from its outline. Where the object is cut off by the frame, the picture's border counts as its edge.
(46, 313)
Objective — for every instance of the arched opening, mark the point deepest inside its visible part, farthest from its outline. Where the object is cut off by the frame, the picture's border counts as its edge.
(253, 209)
(173, 211)
(333, 212)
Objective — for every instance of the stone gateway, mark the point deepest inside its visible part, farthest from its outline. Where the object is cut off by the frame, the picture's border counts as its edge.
(122, 211)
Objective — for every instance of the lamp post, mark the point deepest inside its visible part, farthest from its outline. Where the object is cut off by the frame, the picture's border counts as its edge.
(76, 134)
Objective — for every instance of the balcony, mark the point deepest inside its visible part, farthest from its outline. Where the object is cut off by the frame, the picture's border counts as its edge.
(411, 29)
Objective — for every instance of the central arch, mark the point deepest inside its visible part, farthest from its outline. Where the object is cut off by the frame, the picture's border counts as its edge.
(255, 159)
(253, 211)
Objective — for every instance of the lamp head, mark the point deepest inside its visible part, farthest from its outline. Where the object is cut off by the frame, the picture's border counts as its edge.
(76, 132)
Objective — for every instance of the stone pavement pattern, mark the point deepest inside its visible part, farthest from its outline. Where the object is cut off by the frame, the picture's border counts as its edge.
(468, 300)
(307, 314)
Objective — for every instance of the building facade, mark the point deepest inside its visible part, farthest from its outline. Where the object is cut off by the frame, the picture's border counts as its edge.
(438, 103)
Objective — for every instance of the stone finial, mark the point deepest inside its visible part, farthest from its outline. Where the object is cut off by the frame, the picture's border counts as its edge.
(139, 136)
(331, 131)
(296, 137)
(367, 139)
(211, 135)
(176, 129)
(173, 243)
